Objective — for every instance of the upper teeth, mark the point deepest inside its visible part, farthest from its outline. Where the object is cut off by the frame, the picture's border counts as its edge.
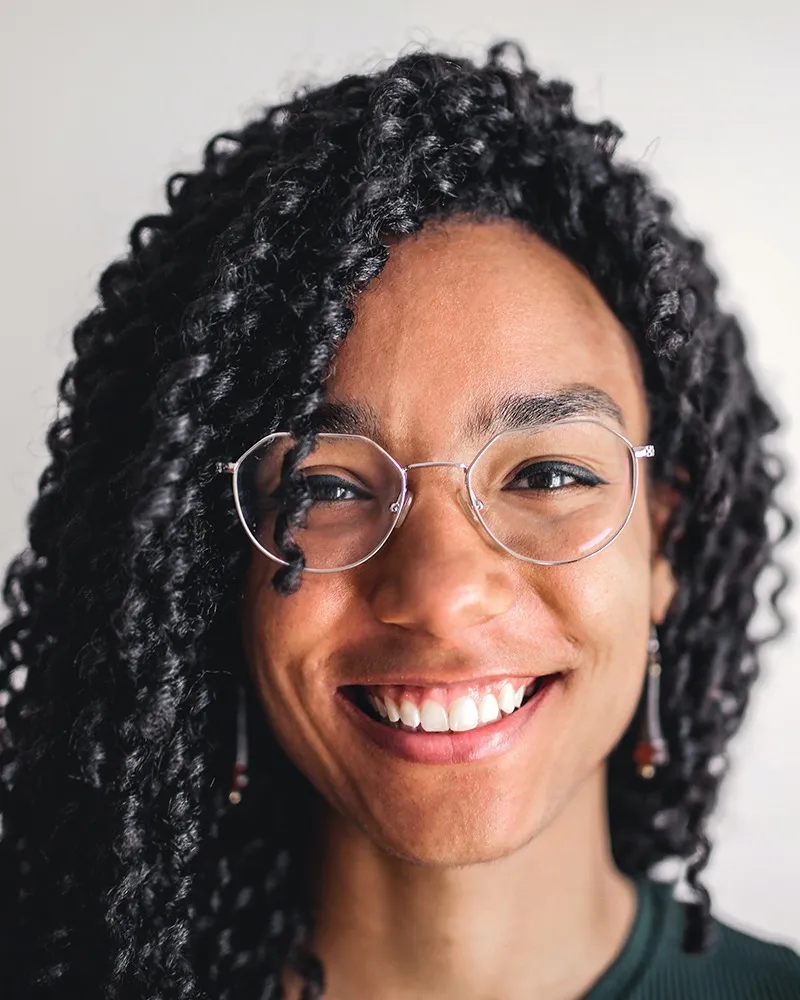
(464, 713)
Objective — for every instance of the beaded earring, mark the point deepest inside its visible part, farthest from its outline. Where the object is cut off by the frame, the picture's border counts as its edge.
(239, 778)
(651, 751)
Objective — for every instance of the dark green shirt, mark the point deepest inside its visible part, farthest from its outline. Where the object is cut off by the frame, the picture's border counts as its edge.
(652, 966)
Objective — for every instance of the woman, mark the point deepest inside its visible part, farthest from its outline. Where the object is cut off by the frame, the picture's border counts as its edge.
(385, 611)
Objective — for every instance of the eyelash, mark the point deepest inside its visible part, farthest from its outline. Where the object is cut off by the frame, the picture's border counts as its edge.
(336, 482)
(581, 475)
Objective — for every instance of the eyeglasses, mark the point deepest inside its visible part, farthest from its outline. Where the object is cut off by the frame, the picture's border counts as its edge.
(549, 494)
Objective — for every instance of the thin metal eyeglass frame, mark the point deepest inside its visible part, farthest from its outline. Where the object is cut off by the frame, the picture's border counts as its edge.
(402, 505)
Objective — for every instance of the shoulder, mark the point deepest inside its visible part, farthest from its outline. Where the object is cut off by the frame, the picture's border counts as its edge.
(739, 966)
(757, 962)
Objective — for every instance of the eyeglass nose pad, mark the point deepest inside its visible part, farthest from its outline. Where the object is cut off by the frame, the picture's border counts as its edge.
(404, 510)
(465, 501)
(464, 504)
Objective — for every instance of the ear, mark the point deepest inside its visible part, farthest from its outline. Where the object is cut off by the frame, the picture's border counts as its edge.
(662, 501)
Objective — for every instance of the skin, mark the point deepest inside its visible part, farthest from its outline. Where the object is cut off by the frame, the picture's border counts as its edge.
(493, 878)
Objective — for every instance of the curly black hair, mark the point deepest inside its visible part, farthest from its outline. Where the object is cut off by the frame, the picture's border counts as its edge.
(125, 872)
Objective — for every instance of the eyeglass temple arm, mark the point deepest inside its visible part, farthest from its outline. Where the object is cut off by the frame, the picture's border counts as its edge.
(643, 451)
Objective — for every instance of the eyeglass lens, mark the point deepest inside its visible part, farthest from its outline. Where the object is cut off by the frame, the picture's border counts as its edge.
(553, 493)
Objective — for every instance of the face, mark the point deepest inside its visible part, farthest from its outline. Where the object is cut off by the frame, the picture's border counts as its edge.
(463, 315)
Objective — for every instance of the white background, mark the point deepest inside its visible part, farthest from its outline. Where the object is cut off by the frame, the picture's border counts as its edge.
(102, 99)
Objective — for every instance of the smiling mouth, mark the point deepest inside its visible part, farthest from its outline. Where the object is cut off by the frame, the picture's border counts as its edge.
(443, 710)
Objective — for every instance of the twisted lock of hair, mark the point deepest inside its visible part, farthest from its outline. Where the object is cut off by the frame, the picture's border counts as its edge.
(125, 874)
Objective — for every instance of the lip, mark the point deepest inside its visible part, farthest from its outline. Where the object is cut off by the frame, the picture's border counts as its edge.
(452, 748)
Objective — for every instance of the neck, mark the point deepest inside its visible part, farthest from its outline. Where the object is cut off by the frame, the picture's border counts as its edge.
(544, 921)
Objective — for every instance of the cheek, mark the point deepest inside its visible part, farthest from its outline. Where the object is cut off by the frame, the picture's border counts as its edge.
(600, 607)
(289, 642)
(282, 630)
(604, 606)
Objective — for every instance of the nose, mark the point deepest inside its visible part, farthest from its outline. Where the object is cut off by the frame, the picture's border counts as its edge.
(437, 573)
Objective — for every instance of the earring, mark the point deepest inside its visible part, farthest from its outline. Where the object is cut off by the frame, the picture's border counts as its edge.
(240, 779)
(651, 751)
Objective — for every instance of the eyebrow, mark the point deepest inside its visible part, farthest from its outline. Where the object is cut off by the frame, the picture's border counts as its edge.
(520, 410)
(512, 412)
(346, 418)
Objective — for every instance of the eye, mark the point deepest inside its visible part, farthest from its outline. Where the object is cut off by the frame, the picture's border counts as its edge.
(334, 489)
(552, 476)
(324, 489)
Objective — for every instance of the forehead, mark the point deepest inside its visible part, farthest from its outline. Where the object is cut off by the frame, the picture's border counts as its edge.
(467, 314)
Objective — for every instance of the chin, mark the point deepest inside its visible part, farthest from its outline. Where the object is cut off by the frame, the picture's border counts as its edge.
(456, 839)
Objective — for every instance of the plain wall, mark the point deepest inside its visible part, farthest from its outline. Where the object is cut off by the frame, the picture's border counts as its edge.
(101, 100)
